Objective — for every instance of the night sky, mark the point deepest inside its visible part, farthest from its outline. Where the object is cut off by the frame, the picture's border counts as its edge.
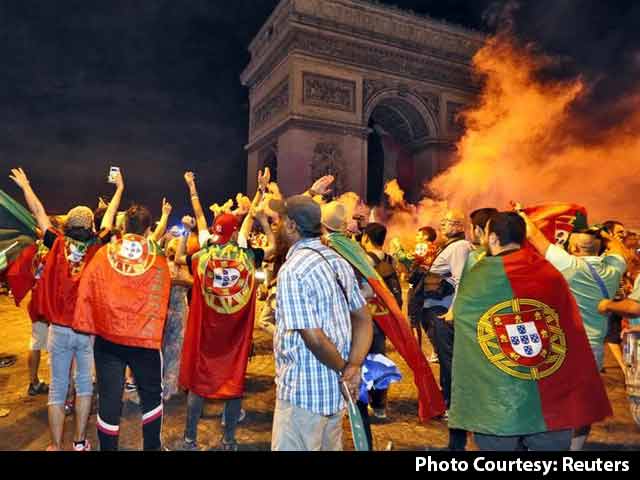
(153, 85)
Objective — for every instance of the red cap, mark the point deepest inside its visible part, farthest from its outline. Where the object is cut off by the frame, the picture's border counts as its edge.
(224, 226)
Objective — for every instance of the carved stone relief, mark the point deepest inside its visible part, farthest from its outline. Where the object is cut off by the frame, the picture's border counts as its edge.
(275, 103)
(374, 86)
(327, 160)
(382, 59)
(329, 92)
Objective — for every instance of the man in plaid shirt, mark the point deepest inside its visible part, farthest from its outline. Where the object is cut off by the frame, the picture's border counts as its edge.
(323, 334)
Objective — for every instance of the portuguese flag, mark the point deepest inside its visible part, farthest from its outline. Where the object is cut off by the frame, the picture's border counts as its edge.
(395, 326)
(522, 363)
(557, 220)
(217, 340)
(123, 293)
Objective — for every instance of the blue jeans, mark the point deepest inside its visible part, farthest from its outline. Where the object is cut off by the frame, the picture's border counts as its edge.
(65, 345)
(545, 441)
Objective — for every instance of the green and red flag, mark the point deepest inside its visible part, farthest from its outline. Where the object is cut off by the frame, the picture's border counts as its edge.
(219, 331)
(558, 220)
(16, 225)
(522, 363)
(395, 326)
(17, 243)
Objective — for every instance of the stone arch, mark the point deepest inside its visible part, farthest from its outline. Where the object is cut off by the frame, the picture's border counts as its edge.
(269, 158)
(404, 115)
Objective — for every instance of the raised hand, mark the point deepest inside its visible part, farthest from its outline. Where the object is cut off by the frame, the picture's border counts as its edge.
(322, 186)
(166, 207)
(244, 205)
(102, 203)
(190, 178)
(18, 176)
(264, 178)
(188, 222)
(119, 179)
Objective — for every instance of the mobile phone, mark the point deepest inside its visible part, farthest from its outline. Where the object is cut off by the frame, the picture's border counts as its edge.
(112, 174)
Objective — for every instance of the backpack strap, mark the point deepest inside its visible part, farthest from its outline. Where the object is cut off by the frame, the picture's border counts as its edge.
(342, 288)
(598, 279)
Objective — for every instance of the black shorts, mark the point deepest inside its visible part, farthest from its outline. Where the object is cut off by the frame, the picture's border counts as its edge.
(615, 329)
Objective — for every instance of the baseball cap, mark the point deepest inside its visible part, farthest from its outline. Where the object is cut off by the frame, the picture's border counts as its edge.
(301, 209)
(224, 226)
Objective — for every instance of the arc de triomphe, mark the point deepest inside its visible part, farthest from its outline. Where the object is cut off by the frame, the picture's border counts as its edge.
(323, 72)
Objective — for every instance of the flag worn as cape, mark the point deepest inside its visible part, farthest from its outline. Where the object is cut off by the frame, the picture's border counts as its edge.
(395, 326)
(124, 293)
(61, 277)
(522, 361)
(217, 340)
(21, 275)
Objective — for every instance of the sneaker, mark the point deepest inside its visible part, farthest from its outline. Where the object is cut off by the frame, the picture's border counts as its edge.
(243, 415)
(380, 413)
(184, 446)
(8, 361)
(83, 446)
(39, 388)
(226, 446)
(130, 387)
(434, 358)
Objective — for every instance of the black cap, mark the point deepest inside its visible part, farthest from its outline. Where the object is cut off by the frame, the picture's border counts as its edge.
(302, 210)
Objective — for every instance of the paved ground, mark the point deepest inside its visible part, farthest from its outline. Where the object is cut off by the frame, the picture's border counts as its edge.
(26, 426)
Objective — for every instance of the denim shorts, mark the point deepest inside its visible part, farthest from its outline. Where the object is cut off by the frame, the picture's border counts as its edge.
(64, 346)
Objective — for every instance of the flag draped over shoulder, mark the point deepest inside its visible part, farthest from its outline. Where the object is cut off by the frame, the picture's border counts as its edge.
(124, 293)
(522, 363)
(395, 326)
(61, 278)
(217, 340)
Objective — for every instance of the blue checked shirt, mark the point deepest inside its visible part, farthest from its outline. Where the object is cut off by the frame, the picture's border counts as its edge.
(308, 296)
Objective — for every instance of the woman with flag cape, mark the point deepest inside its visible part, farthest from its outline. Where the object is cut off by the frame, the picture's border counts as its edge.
(70, 252)
(123, 300)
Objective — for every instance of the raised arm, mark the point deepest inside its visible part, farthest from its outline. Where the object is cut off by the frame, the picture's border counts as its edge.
(164, 220)
(181, 251)
(535, 236)
(626, 307)
(615, 246)
(34, 203)
(247, 224)
(201, 220)
(112, 210)
(270, 249)
(320, 187)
